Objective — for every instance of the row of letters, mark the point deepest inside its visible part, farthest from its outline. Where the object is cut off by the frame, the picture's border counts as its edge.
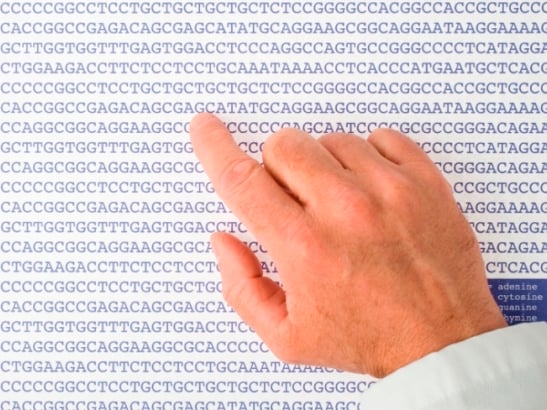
(282, 48)
(273, 7)
(165, 404)
(410, 126)
(275, 107)
(165, 147)
(272, 27)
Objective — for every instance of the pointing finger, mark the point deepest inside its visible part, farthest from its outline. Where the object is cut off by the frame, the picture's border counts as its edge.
(246, 187)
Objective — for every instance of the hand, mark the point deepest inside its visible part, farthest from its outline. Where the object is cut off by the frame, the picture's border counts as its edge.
(378, 265)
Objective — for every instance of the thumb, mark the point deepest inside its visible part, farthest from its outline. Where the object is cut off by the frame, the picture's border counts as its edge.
(257, 299)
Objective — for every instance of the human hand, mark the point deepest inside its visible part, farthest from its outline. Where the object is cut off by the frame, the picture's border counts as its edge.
(378, 265)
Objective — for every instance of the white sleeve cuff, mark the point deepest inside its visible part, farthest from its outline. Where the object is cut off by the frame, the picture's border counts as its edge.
(502, 369)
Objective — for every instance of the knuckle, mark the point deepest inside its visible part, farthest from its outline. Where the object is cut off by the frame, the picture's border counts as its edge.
(402, 197)
(236, 292)
(398, 190)
(282, 144)
(276, 141)
(236, 176)
(230, 295)
(379, 133)
(333, 139)
(354, 202)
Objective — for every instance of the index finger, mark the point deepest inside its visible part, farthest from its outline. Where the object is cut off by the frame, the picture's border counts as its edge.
(248, 189)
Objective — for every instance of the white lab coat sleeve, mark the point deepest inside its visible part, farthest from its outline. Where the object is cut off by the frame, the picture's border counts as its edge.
(505, 369)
